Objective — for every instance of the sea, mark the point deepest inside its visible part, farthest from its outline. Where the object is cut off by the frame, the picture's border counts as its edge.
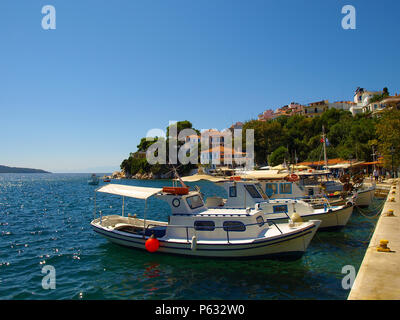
(45, 225)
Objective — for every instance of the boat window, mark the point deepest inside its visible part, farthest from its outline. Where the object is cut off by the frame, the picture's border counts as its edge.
(176, 202)
(260, 191)
(234, 226)
(285, 188)
(271, 188)
(260, 221)
(280, 208)
(204, 225)
(194, 202)
(252, 190)
(232, 191)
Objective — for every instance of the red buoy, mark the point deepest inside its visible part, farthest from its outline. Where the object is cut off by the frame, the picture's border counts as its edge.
(152, 244)
(293, 177)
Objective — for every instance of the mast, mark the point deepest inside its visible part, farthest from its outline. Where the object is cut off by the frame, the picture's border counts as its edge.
(324, 142)
(178, 177)
(373, 155)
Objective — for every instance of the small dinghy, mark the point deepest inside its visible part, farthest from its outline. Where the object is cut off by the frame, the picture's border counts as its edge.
(94, 180)
(195, 230)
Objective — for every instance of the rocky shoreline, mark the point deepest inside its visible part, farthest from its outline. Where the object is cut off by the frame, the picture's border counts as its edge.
(138, 176)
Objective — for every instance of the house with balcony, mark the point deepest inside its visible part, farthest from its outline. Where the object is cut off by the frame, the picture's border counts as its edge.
(222, 156)
(361, 96)
(361, 100)
(216, 137)
(342, 105)
(377, 107)
(193, 139)
(266, 115)
(296, 108)
(288, 110)
(315, 109)
(237, 125)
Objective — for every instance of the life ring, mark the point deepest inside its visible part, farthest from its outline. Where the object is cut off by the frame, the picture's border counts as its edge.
(235, 178)
(293, 177)
(176, 190)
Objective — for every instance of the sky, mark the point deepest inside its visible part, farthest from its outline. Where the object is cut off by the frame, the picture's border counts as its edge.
(78, 98)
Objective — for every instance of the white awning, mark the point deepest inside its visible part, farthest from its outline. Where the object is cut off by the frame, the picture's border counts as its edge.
(129, 191)
(338, 166)
(263, 174)
(345, 165)
(198, 177)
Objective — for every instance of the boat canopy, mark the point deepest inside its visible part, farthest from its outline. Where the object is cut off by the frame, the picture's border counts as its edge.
(264, 174)
(345, 165)
(198, 177)
(129, 191)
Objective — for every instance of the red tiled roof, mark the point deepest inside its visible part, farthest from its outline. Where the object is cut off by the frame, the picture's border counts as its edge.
(322, 162)
(221, 149)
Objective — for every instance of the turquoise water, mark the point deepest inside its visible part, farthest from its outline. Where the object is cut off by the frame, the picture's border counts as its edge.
(45, 220)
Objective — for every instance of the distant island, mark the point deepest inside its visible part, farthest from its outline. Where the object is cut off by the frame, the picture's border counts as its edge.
(5, 169)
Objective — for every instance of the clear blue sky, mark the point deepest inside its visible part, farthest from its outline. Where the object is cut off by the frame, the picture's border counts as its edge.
(80, 97)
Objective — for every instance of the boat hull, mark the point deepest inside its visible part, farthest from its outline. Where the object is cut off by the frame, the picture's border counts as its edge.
(293, 244)
(365, 197)
(329, 220)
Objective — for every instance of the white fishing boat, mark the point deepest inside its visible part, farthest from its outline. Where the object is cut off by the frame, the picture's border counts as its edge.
(243, 194)
(195, 230)
(317, 183)
(311, 185)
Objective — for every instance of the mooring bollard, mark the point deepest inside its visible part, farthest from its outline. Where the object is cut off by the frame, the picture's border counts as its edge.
(383, 246)
(390, 213)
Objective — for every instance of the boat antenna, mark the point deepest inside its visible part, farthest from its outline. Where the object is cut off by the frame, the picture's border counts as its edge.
(178, 176)
(324, 142)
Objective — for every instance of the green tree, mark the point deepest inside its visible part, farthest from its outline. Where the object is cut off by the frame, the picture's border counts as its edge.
(278, 156)
(388, 130)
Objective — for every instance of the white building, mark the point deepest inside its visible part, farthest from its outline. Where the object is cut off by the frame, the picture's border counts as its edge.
(221, 155)
(378, 106)
(342, 105)
(362, 96)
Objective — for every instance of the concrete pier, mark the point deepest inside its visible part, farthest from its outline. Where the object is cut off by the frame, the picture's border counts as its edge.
(379, 275)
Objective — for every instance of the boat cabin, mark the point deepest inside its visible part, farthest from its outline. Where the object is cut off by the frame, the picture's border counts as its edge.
(189, 217)
(250, 194)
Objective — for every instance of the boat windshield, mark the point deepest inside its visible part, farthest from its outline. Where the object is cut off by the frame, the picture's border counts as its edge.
(194, 202)
(252, 190)
(261, 191)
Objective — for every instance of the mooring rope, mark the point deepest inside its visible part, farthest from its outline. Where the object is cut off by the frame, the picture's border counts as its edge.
(365, 213)
(366, 241)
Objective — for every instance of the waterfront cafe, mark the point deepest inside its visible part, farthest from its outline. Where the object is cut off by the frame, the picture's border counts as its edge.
(370, 166)
(320, 164)
(336, 166)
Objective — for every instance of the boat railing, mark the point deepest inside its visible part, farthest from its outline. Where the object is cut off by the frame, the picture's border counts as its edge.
(319, 201)
(259, 224)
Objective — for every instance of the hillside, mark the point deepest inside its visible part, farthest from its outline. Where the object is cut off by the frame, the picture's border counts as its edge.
(5, 169)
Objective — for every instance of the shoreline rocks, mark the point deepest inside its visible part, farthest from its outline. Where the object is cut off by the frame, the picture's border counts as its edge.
(140, 176)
